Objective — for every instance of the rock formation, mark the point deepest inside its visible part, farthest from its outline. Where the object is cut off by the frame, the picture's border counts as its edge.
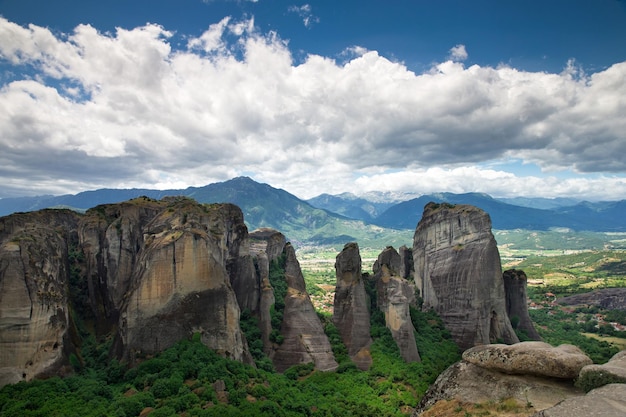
(152, 272)
(395, 295)
(607, 298)
(530, 358)
(594, 376)
(607, 401)
(515, 283)
(469, 383)
(529, 372)
(459, 275)
(303, 333)
(35, 322)
(180, 284)
(351, 306)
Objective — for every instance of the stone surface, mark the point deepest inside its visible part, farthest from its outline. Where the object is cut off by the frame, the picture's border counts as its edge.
(304, 337)
(530, 358)
(181, 285)
(459, 275)
(351, 306)
(35, 324)
(593, 376)
(395, 296)
(469, 383)
(515, 283)
(607, 401)
(607, 298)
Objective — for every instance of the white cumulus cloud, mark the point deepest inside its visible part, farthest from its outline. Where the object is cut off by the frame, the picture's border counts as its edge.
(91, 109)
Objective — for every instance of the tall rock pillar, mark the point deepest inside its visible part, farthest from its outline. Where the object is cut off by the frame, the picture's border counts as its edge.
(351, 313)
(515, 282)
(458, 272)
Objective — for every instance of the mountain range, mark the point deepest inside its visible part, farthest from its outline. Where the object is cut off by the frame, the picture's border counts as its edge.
(377, 218)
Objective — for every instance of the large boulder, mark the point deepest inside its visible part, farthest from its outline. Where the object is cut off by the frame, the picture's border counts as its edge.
(607, 298)
(607, 401)
(459, 275)
(594, 376)
(351, 306)
(515, 283)
(469, 383)
(530, 358)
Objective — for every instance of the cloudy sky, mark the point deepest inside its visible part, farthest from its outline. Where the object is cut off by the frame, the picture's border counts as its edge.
(515, 98)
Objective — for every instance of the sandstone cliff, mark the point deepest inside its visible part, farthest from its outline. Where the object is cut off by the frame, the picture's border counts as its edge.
(459, 275)
(35, 322)
(351, 306)
(515, 283)
(180, 284)
(395, 296)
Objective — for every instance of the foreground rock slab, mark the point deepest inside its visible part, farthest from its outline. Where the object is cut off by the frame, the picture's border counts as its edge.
(594, 376)
(469, 383)
(530, 358)
(607, 401)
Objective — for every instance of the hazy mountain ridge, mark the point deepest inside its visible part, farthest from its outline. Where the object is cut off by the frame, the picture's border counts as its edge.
(377, 219)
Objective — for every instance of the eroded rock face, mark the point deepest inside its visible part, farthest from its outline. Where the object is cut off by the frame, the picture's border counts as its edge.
(530, 358)
(181, 285)
(515, 283)
(459, 275)
(351, 306)
(395, 296)
(304, 340)
(470, 383)
(304, 337)
(35, 323)
(607, 401)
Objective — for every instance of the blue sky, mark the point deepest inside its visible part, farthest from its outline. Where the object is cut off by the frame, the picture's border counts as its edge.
(508, 98)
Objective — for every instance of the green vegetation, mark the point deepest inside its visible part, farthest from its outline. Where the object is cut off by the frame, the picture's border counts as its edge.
(188, 376)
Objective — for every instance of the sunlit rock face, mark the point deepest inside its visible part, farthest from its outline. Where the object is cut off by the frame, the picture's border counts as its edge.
(515, 283)
(459, 275)
(351, 306)
(395, 296)
(35, 322)
(180, 284)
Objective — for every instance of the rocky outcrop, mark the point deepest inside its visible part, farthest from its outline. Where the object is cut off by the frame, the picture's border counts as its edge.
(607, 401)
(515, 283)
(304, 338)
(530, 358)
(469, 383)
(180, 284)
(35, 323)
(459, 275)
(351, 306)
(395, 296)
(607, 298)
(594, 376)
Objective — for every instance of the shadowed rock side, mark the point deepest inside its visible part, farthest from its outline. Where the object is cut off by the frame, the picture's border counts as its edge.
(515, 282)
(304, 338)
(395, 295)
(351, 313)
(35, 322)
(180, 284)
(459, 275)
(529, 372)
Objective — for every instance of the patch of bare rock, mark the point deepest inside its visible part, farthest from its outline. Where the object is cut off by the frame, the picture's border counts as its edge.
(549, 379)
